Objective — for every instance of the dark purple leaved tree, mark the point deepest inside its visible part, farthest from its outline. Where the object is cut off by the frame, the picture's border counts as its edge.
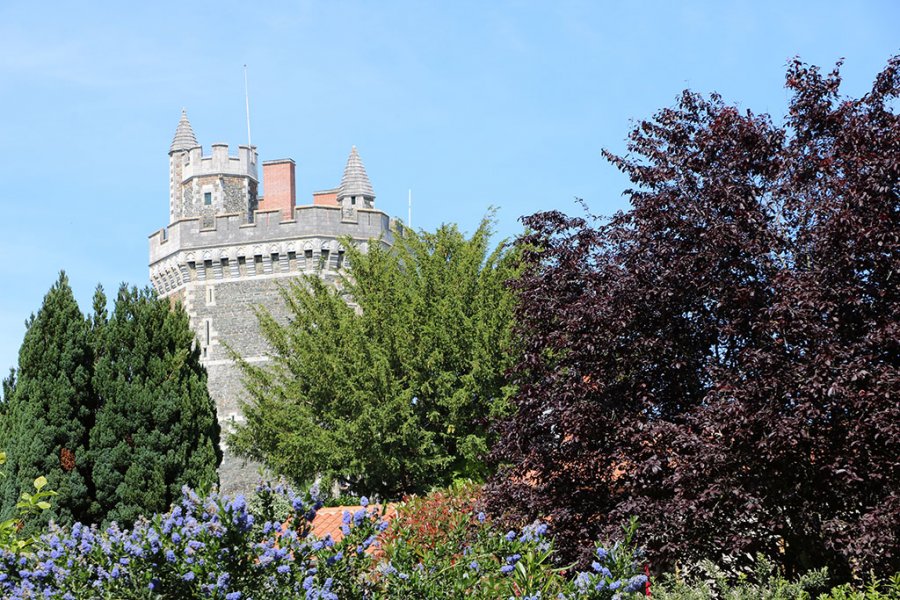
(722, 360)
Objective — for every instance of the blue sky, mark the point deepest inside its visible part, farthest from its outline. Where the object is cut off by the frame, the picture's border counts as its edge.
(469, 104)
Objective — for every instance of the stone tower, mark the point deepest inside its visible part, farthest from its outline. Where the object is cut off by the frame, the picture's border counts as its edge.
(227, 251)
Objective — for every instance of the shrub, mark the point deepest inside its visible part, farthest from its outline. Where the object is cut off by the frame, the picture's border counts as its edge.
(439, 547)
(875, 590)
(709, 581)
(208, 547)
(214, 547)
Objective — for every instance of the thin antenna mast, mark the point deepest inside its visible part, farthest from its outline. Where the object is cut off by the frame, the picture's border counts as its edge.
(409, 211)
(247, 100)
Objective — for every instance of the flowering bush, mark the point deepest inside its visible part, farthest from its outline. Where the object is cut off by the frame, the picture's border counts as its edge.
(231, 549)
(439, 547)
(209, 547)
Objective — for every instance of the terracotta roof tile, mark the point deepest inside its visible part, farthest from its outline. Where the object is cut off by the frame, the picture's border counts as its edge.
(329, 519)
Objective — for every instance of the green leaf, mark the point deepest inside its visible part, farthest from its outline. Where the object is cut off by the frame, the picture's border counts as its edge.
(40, 482)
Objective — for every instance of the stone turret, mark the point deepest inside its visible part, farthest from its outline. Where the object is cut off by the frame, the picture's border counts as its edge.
(355, 191)
(206, 186)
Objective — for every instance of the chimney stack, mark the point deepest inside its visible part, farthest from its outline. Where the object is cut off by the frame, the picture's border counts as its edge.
(280, 187)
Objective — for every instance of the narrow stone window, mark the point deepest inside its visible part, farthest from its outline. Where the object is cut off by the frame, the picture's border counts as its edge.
(307, 256)
(207, 198)
(275, 261)
(292, 261)
(340, 259)
(323, 259)
(210, 298)
(242, 265)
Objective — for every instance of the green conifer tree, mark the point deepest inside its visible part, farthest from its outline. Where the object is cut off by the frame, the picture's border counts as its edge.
(51, 410)
(156, 428)
(9, 388)
(396, 390)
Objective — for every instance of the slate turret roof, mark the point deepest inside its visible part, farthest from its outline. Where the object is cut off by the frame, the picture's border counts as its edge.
(184, 135)
(355, 182)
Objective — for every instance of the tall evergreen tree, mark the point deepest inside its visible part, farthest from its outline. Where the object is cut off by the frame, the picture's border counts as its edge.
(395, 390)
(9, 388)
(52, 408)
(156, 428)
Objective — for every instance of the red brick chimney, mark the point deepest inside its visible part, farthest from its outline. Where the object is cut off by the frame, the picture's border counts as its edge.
(280, 187)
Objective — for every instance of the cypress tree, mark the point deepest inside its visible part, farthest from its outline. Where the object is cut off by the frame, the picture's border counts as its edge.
(51, 409)
(156, 428)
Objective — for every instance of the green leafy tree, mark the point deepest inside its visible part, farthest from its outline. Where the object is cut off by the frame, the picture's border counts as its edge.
(391, 378)
(156, 428)
(51, 409)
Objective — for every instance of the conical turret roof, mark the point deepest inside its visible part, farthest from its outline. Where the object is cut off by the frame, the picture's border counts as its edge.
(184, 135)
(355, 182)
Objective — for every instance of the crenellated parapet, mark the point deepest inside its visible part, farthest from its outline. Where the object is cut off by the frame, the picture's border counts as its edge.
(194, 164)
(233, 249)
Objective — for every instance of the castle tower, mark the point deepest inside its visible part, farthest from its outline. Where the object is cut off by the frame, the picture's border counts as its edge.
(227, 252)
(206, 186)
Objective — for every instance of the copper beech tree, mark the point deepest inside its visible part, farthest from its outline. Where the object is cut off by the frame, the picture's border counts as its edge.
(722, 359)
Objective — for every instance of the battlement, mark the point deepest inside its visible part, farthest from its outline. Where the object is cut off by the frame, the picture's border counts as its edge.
(183, 249)
(194, 164)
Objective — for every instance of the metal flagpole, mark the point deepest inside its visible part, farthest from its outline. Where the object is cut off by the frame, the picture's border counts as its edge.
(247, 99)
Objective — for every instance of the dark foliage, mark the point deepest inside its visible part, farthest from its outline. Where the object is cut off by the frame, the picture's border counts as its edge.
(722, 360)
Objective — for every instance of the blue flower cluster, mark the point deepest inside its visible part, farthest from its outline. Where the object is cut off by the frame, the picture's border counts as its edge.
(608, 575)
(212, 547)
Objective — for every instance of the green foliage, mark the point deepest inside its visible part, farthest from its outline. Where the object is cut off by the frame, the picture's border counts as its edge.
(114, 410)
(52, 408)
(29, 505)
(709, 581)
(156, 428)
(876, 589)
(391, 379)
